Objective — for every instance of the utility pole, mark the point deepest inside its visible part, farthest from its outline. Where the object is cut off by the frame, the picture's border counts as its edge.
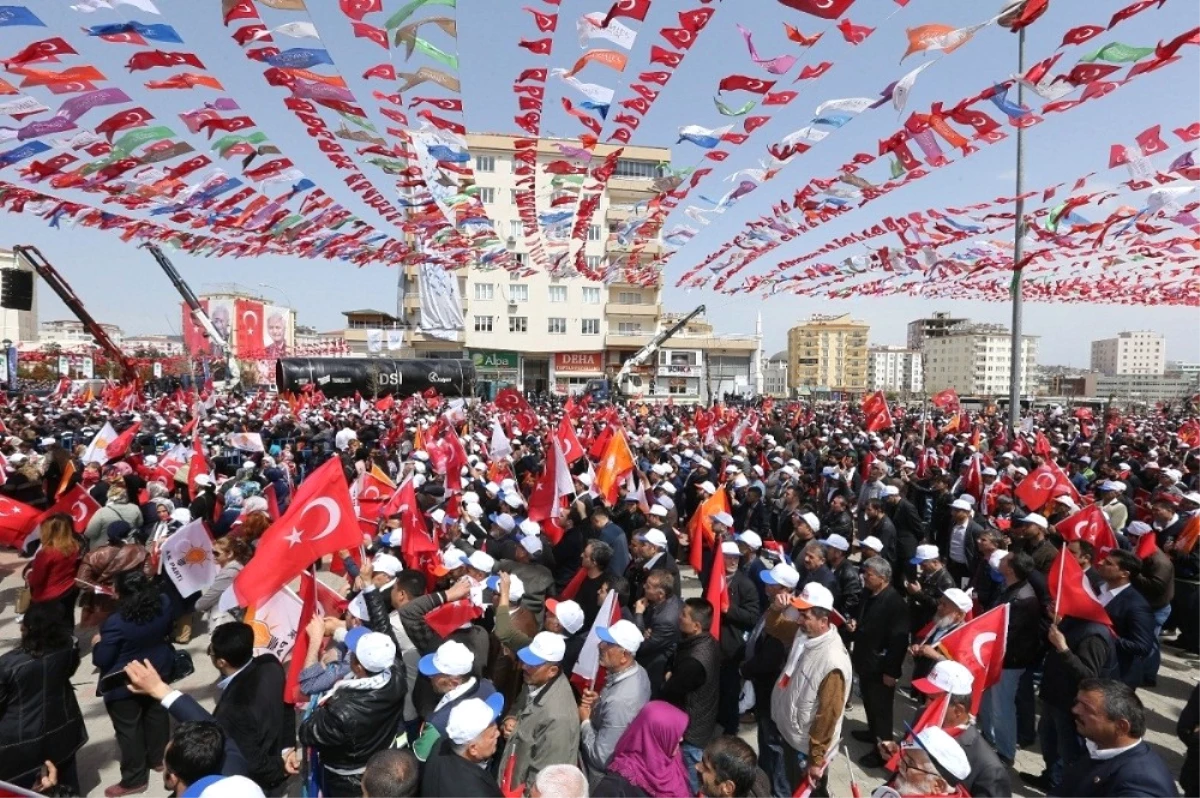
(1016, 359)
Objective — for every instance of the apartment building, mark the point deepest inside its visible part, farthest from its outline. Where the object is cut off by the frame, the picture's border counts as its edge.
(894, 369)
(828, 354)
(932, 327)
(974, 360)
(775, 375)
(1131, 352)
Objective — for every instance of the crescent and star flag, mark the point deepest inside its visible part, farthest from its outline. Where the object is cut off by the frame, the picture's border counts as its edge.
(553, 486)
(1073, 596)
(319, 521)
(15, 519)
(197, 465)
(374, 490)
(979, 645)
(77, 503)
(568, 441)
(249, 326)
(1037, 488)
(946, 398)
(120, 445)
(614, 465)
(717, 594)
(187, 559)
(1090, 524)
(308, 608)
(878, 415)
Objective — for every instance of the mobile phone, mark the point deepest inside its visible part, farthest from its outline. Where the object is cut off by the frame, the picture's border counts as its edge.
(114, 681)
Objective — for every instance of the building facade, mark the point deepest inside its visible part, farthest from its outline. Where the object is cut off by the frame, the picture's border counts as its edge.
(974, 360)
(1131, 352)
(828, 353)
(933, 327)
(165, 345)
(71, 336)
(775, 376)
(18, 326)
(894, 369)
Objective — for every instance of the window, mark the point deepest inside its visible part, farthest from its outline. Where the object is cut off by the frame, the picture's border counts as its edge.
(483, 324)
(518, 324)
(487, 195)
(485, 163)
(629, 327)
(630, 168)
(518, 293)
(591, 327)
(558, 293)
(677, 387)
(512, 195)
(593, 261)
(629, 298)
(485, 291)
(556, 325)
(591, 295)
(593, 232)
(515, 229)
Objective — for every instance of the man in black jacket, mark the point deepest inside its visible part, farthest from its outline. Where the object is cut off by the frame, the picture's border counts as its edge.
(459, 765)
(932, 581)
(362, 716)
(736, 623)
(251, 708)
(656, 615)
(837, 519)
(880, 635)
(959, 545)
(1079, 650)
(847, 577)
(879, 526)
(910, 531)
(1132, 618)
(692, 683)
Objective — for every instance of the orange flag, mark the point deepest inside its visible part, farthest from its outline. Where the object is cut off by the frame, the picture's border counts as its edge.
(700, 531)
(614, 465)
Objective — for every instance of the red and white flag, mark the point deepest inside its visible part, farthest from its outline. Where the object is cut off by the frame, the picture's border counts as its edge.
(1073, 596)
(553, 486)
(980, 644)
(587, 666)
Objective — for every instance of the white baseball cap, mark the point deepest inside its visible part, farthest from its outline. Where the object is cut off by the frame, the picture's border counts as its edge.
(837, 542)
(654, 537)
(782, 574)
(452, 558)
(945, 751)
(891, 490)
(471, 718)
(386, 564)
(730, 549)
(722, 518)
(529, 527)
(452, 658)
(622, 633)
(481, 561)
(924, 553)
(1138, 528)
(569, 614)
(1036, 519)
(750, 538)
(871, 542)
(962, 504)
(375, 652)
(997, 557)
(513, 500)
(668, 487)
(504, 521)
(813, 522)
(814, 595)
(545, 647)
(708, 487)
(958, 598)
(532, 544)
(947, 676)
(659, 511)
(516, 588)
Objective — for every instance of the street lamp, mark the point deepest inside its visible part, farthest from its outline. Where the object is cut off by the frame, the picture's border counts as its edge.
(286, 298)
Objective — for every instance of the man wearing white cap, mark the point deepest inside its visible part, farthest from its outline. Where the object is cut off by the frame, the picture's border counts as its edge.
(649, 549)
(1109, 492)
(846, 576)
(449, 672)
(932, 763)
(510, 616)
(808, 701)
(542, 727)
(961, 544)
(880, 635)
(932, 581)
(952, 609)
(458, 767)
(736, 623)
(604, 716)
(360, 716)
(1029, 536)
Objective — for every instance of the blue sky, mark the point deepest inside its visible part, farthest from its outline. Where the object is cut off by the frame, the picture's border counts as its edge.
(123, 285)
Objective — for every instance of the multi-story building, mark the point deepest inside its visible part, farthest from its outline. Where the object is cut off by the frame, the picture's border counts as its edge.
(828, 353)
(70, 335)
(932, 327)
(894, 369)
(973, 359)
(1131, 352)
(18, 325)
(1182, 368)
(775, 375)
(159, 345)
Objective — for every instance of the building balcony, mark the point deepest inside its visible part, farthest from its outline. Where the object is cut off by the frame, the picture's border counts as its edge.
(641, 310)
(620, 340)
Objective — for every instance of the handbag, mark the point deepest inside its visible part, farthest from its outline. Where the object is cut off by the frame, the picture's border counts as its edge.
(24, 599)
(182, 665)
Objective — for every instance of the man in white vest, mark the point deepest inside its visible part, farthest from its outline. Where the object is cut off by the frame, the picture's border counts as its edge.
(809, 700)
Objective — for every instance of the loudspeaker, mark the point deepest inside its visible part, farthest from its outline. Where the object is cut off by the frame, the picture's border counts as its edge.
(16, 289)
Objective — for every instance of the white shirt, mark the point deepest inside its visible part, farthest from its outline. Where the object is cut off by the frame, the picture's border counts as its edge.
(1107, 595)
(455, 693)
(650, 562)
(958, 539)
(1107, 753)
(225, 682)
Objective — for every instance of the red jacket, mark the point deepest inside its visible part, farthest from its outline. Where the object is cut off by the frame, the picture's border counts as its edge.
(52, 574)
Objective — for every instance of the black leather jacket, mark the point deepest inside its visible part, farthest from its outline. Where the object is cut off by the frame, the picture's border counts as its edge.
(354, 724)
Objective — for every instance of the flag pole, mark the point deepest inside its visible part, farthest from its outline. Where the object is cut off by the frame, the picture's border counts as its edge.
(1062, 564)
(1016, 359)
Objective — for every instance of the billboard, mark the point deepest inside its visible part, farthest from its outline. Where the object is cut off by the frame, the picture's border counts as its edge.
(220, 312)
(279, 334)
(250, 324)
(195, 340)
(371, 377)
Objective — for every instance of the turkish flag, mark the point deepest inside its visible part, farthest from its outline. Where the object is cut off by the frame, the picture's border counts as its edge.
(825, 9)
(319, 521)
(745, 83)
(661, 55)
(16, 519)
(809, 72)
(249, 327)
(878, 417)
(1150, 140)
(308, 608)
(630, 9)
(119, 445)
(373, 494)
(1081, 34)
(80, 505)
(447, 618)
(447, 454)
(616, 462)
(357, 9)
(973, 481)
(1090, 524)
(572, 587)
(364, 31)
(946, 398)
(572, 449)
(980, 644)
(855, 34)
(1037, 488)
(717, 594)
(1073, 596)
(553, 485)
(510, 399)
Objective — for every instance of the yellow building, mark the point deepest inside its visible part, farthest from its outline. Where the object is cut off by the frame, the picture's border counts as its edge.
(828, 353)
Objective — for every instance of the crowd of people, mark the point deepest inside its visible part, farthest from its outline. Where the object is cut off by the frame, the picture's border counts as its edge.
(837, 556)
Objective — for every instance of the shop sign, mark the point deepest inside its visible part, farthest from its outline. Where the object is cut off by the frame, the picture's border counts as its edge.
(578, 361)
(494, 360)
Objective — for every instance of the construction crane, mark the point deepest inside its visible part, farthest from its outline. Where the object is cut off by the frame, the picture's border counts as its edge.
(628, 384)
(233, 373)
(37, 261)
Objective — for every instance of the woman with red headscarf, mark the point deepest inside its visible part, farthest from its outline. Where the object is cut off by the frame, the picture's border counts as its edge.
(647, 760)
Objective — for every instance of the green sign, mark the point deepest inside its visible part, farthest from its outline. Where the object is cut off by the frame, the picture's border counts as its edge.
(494, 360)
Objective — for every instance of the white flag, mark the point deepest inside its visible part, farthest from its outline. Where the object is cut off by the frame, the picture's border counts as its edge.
(588, 663)
(395, 340)
(500, 447)
(905, 84)
(96, 449)
(276, 624)
(144, 5)
(374, 340)
(588, 28)
(593, 91)
(187, 559)
(246, 441)
(297, 30)
(851, 105)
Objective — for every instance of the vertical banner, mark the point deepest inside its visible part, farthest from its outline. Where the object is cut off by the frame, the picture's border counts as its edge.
(250, 328)
(64, 366)
(158, 370)
(195, 341)
(278, 332)
(220, 312)
(374, 341)
(441, 305)
(88, 366)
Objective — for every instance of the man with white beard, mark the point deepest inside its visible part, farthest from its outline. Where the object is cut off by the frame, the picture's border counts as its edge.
(952, 609)
(933, 763)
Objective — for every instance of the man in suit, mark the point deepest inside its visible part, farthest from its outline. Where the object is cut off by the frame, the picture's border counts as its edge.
(649, 549)
(880, 635)
(251, 708)
(604, 529)
(960, 545)
(880, 527)
(657, 617)
(736, 623)
(1110, 717)
(1130, 613)
(910, 530)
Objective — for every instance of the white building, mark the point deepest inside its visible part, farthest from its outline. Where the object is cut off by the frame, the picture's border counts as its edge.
(167, 345)
(973, 359)
(1131, 352)
(775, 375)
(18, 325)
(71, 336)
(895, 369)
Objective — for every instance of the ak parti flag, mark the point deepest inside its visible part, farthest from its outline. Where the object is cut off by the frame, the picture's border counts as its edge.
(319, 521)
(979, 644)
(1073, 596)
(614, 465)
